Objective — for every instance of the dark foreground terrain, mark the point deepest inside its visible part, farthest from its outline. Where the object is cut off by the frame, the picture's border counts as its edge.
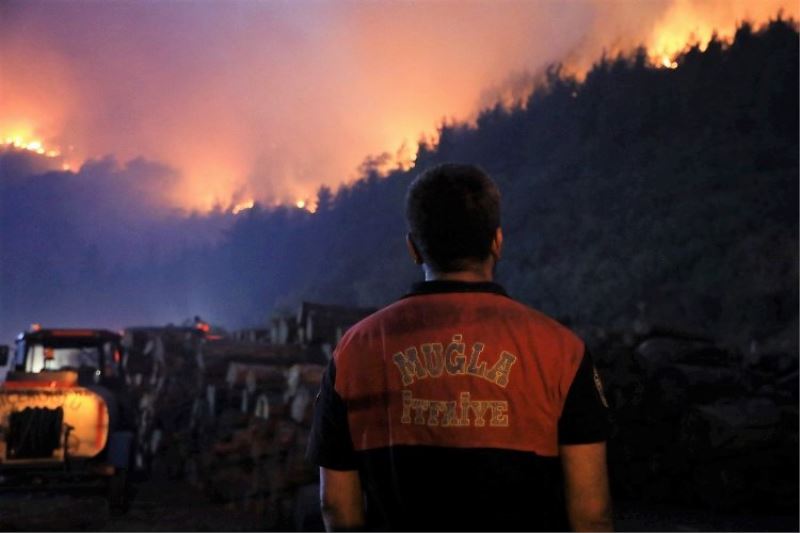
(158, 505)
(164, 505)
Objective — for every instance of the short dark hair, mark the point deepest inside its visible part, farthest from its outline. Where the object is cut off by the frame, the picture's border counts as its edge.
(453, 212)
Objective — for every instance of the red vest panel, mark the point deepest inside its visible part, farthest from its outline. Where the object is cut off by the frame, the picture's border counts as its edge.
(467, 370)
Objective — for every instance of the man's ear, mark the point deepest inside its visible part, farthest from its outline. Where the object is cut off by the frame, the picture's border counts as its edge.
(412, 250)
(497, 244)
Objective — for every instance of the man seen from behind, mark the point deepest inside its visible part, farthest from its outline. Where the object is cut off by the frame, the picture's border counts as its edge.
(457, 407)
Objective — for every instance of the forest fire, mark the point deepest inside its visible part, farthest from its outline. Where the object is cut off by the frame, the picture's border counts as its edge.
(666, 62)
(224, 139)
(242, 206)
(18, 142)
(36, 146)
(306, 205)
(652, 212)
(688, 23)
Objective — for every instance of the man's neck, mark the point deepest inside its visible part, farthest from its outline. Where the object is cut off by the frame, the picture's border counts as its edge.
(478, 275)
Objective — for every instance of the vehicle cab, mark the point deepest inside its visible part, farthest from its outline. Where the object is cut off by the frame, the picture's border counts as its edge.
(65, 411)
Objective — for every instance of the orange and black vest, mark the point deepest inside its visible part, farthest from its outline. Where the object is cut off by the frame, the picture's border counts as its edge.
(452, 404)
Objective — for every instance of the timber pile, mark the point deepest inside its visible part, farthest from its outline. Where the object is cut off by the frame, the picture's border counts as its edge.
(252, 335)
(254, 418)
(255, 459)
(256, 411)
(244, 388)
(321, 323)
(284, 330)
(227, 364)
(304, 383)
(164, 369)
(693, 422)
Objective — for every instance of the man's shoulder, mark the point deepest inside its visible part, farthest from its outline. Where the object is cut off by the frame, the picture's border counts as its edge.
(375, 322)
(405, 311)
(545, 321)
(541, 325)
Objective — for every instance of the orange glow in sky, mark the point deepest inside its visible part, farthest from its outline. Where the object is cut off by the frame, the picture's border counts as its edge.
(18, 140)
(691, 22)
(242, 206)
(266, 101)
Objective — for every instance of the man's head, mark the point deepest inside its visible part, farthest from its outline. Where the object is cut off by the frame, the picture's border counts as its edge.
(453, 214)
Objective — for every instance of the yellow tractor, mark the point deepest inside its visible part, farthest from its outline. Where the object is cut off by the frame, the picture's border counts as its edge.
(66, 418)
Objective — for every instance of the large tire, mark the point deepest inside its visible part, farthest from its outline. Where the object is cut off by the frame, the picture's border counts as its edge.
(118, 491)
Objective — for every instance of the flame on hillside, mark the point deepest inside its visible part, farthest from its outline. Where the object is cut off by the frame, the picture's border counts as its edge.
(36, 146)
(686, 23)
(667, 62)
(306, 205)
(227, 143)
(242, 206)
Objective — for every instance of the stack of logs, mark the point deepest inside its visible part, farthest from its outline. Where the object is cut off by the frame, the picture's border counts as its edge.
(692, 422)
(695, 423)
(255, 425)
(233, 414)
(164, 369)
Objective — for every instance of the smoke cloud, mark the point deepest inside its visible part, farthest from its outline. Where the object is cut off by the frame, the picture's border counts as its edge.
(93, 245)
(269, 100)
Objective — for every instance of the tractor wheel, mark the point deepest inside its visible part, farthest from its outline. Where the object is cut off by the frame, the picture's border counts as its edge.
(118, 486)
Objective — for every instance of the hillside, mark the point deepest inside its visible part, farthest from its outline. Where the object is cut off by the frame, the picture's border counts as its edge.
(668, 195)
(656, 195)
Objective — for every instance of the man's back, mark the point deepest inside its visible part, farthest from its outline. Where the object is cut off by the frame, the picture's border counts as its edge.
(449, 403)
(455, 407)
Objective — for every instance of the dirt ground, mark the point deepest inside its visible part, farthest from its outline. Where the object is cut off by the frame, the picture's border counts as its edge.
(165, 505)
(158, 505)
(639, 516)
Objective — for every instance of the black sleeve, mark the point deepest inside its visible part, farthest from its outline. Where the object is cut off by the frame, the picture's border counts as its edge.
(585, 415)
(330, 444)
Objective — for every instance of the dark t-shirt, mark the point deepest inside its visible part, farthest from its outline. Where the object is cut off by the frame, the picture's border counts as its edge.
(452, 403)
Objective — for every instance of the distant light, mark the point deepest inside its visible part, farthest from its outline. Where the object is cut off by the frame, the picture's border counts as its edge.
(300, 204)
(238, 208)
(667, 62)
(35, 146)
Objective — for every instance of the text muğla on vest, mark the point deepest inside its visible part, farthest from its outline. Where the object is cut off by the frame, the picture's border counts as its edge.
(436, 362)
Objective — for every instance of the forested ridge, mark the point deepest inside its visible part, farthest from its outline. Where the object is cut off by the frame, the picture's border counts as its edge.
(669, 195)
